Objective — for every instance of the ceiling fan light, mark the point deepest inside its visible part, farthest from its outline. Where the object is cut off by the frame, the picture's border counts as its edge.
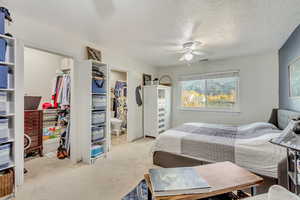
(188, 56)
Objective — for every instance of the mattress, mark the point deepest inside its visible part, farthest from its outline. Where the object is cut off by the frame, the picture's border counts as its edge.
(248, 145)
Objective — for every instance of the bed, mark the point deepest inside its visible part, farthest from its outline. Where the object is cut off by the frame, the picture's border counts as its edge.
(247, 145)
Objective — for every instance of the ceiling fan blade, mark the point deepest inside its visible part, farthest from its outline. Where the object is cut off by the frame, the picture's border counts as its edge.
(198, 53)
(182, 58)
(196, 29)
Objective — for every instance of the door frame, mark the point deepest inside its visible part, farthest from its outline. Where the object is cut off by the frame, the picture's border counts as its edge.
(75, 150)
(112, 68)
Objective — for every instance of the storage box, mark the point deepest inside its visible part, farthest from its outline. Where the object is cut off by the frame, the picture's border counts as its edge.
(9, 54)
(98, 117)
(99, 102)
(97, 150)
(3, 96)
(5, 105)
(10, 81)
(2, 23)
(6, 108)
(4, 155)
(97, 133)
(3, 76)
(4, 134)
(98, 86)
(3, 123)
(6, 182)
(3, 44)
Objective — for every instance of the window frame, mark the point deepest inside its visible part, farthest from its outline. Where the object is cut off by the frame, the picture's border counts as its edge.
(234, 109)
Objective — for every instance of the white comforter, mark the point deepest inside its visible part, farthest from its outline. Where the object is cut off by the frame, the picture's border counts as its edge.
(256, 154)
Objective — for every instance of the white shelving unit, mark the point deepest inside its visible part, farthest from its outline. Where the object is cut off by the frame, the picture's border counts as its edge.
(157, 109)
(14, 122)
(84, 83)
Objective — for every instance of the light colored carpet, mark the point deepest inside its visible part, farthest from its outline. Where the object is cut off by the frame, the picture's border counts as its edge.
(107, 179)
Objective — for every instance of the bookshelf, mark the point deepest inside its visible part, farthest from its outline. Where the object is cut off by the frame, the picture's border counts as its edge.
(93, 117)
(14, 104)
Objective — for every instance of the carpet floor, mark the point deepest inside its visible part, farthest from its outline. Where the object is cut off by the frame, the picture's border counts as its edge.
(108, 179)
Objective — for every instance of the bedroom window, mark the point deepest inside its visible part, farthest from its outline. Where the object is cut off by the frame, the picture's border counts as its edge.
(213, 91)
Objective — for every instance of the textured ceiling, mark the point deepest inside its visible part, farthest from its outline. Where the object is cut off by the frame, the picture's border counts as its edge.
(149, 30)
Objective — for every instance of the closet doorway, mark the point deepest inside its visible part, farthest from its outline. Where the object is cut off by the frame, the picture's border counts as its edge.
(119, 109)
(47, 111)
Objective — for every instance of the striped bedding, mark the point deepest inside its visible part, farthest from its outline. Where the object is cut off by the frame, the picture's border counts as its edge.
(247, 145)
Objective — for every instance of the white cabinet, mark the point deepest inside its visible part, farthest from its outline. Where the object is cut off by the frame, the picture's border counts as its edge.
(157, 109)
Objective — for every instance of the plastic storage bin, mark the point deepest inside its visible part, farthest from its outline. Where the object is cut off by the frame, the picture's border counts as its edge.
(98, 86)
(10, 81)
(4, 131)
(3, 76)
(98, 117)
(4, 136)
(97, 133)
(3, 44)
(4, 105)
(4, 155)
(97, 150)
(3, 123)
(2, 22)
(99, 102)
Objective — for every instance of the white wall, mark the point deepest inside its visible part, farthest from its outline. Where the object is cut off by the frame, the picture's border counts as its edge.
(45, 65)
(258, 89)
(41, 35)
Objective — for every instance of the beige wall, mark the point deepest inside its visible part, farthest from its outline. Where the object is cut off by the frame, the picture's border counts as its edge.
(43, 36)
(258, 89)
(116, 76)
(39, 72)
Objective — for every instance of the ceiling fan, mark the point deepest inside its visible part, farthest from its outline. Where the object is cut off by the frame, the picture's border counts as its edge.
(189, 51)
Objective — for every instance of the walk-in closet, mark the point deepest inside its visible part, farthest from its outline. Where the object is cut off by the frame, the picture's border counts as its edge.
(47, 109)
(118, 106)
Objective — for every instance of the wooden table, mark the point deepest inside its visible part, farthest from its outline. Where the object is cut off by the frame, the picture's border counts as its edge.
(223, 177)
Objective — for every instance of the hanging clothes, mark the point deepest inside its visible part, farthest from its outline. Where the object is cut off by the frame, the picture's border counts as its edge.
(61, 96)
(120, 103)
(61, 91)
(138, 96)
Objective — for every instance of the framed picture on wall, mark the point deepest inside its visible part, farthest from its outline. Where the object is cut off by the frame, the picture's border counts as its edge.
(147, 78)
(93, 54)
(294, 78)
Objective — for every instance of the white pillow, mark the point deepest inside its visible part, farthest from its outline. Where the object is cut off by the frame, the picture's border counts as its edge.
(277, 192)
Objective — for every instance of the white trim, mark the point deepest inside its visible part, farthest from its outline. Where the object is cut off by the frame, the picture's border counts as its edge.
(209, 110)
(235, 109)
(209, 75)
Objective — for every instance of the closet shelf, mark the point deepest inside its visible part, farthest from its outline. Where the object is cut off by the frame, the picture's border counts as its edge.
(98, 125)
(10, 165)
(98, 109)
(7, 90)
(7, 63)
(8, 115)
(98, 141)
(7, 141)
(9, 40)
(97, 157)
(98, 93)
